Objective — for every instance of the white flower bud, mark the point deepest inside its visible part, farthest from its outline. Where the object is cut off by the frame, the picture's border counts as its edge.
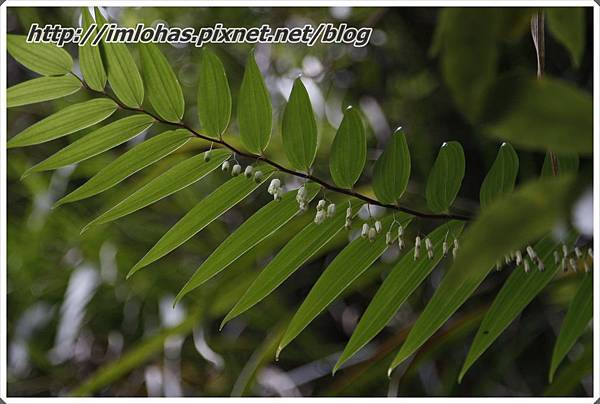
(330, 210)
(573, 264)
(277, 194)
(388, 238)
(319, 217)
(248, 171)
(400, 243)
(507, 259)
(400, 231)
(207, 155)
(348, 224)
(372, 233)
(273, 186)
(540, 265)
(236, 170)
(365, 230)
(565, 251)
(577, 252)
(531, 253)
(444, 248)
(418, 242)
(526, 265)
(348, 213)
(378, 226)
(456, 243)
(301, 195)
(429, 248)
(519, 258)
(454, 252)
(225, 166)
(556, 257)
(321, 204)
(258, 176)
(417, 252)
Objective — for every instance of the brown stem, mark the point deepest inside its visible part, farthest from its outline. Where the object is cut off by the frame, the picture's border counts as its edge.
(278, 166)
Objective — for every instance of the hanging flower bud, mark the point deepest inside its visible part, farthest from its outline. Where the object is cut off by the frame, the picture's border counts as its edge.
(225, 166)
(277, 194)
(236, 170)
(540, 265)
(348, 224)
(577, 252)
(365, 230)
(526, 265)
(400, 243)
(248, 171)
(321, 204)
(444, 248)
(207, 156)
(565, 251)
(319, 217)
(573, 264)
(556, 257)
(378, 226)
(400, 231)
(456, 243)
(301, 195)
(348, 213)
(331, 210)
(372, 233)
(519, 258)
(454, 252)
(417, 247)
(258, 175)
(531, 253)
(273, 186)
(388, 238)
(429, 248)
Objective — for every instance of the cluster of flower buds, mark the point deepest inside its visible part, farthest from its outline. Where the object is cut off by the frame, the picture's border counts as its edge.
(348, 224)
(324, 211)
(573, 263)
(371, 232)
(275, 189)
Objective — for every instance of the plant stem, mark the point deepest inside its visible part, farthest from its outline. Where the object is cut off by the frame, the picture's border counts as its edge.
(278, 166)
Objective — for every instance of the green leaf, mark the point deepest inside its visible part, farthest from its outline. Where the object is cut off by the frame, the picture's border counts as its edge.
(399, 284)
(576, 321)
(129, 163)
(292, 256)
(299, 128)
(497, 231)
(517, 292)
(214, 97)
(176, 178)
(123, 75)
(567, 25)
(164, 91)
(254, 109)
(96, 142)
(41, 89)
(542, 114)
(568, 163)
(500, 180)
(204, 213)
(43, 58)
(392, 169)
(64, 122)
(570, 378)
(90, 60)
(258, 227)
(446, 177)
(349, 150)
(348, 265)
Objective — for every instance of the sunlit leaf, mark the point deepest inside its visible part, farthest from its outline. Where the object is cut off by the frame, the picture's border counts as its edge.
(501, 178)
(214, 97)
(90, 60)
(542, 114)
(398, 285)
(41, 89)
(567, 163)
(129, 163)
(567, 25)
(299, 128)
(292, 256)
(576, 321)
(96, 142)
(123, 75)
(205, 212)
(445, 177)
(43, 58)
(517, 292)
(258, 227)
(64, 122)
(348, 265)
(176, 178)
(349, 150)
(164, 91)
(392, 169)
(254, 109)
(497, 231)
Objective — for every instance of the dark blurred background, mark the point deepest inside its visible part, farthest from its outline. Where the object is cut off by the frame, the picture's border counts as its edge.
(76, 324)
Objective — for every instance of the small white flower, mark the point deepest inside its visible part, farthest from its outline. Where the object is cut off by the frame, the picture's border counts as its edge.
(236, 170)
(526, 265)
(454, 252)
(301, 196)
(273, 186)
(388, 238)
(400, 231)
(400, 243)
(577, 252)
(444, 248)
(365, 230)
(417, 247)
(429, 248)
(348, 224)
(565, 251)
(248, 171)
(330, 210)
(258, 176)
(225, 166)
(531, 253)
(456, 243)
(372, 233)
(573, 264)
(319, 217)
(207, 155)
(349, 213)
(321, 204)
(378, 226)
(540, 265)
(519, 258)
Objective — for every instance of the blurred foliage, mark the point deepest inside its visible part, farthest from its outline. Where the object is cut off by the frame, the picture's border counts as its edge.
(72, 315)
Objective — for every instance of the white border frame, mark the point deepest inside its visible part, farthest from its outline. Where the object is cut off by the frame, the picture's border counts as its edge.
(295, 3)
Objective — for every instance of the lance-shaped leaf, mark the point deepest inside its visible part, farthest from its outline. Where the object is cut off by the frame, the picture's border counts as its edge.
(64, 122)
(292, 256)
(392, 169)
(214, 97)
(501, 178)
(96, 142)
(399, 284)
(577, 319)
(517, 292)
(542, 114)
(348, 265)
(299, 128)
(43, 58)
(176, 178)
(164, 91)
(497, 231)
(129, 163)
(203, 214)
(41, 89)
(123, 75)
(258, 227)
(567, 25)
(349, 150)
(90, 60)
(567, 163)
(445, 177)
(254, 109)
